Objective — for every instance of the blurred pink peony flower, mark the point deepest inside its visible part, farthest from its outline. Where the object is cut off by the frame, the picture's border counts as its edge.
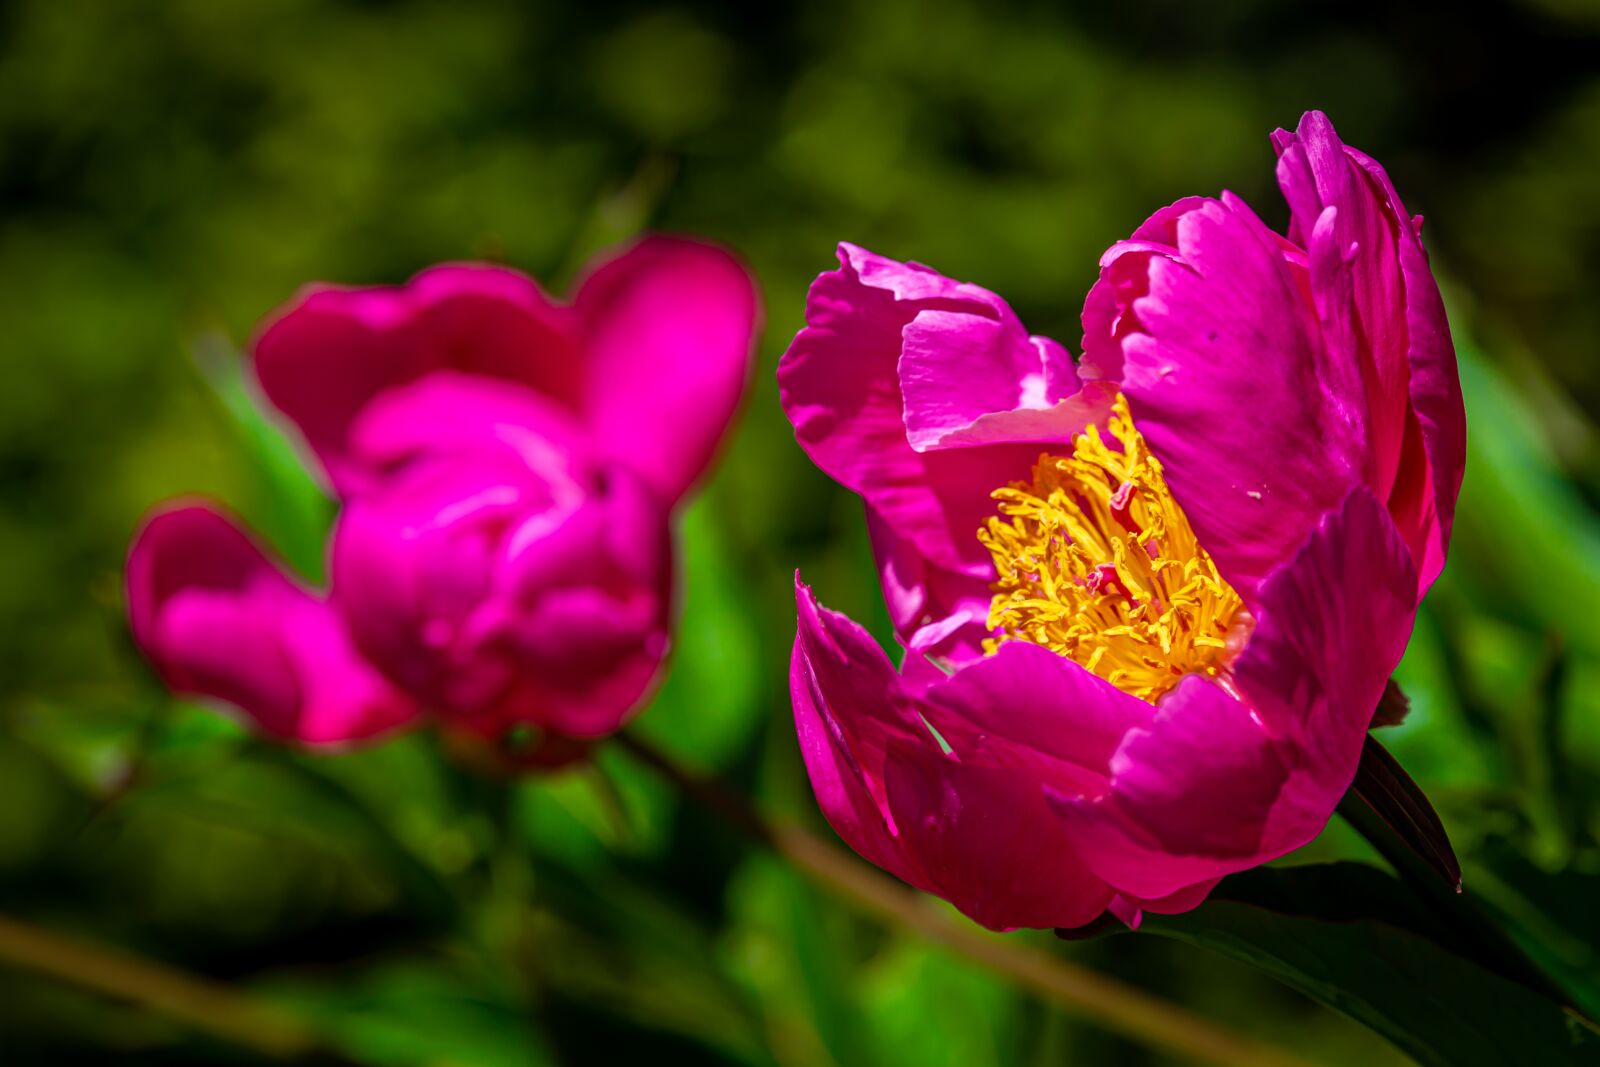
(1151, 602)
(507, 467)
(217, 617)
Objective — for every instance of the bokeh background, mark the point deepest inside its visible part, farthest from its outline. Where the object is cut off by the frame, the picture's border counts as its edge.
(170, 172)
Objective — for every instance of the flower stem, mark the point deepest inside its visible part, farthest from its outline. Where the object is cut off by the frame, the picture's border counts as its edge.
(197, 1003)
(1079, 991)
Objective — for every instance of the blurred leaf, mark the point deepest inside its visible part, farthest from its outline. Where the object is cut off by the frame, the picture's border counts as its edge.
(264, 799)
(1520, 522)
(1347, 936)
(788, 947)
(418, 1014)
(709, 706)
(291, 510)
(1551, 913)
(927, 1008)
(627, 948)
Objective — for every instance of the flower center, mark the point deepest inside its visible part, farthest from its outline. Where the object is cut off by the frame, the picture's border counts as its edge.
(1097, 562)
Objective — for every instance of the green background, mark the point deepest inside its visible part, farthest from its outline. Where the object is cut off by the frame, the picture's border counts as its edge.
(170, 172)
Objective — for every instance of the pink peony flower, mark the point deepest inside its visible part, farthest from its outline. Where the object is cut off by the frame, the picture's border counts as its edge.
(1151, 602)
(507, 467)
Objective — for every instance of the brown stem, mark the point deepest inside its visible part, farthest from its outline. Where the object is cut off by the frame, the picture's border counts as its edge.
(195, 1002)
(1084, 993)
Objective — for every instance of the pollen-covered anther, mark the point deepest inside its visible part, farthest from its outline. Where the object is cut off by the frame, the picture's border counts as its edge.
(1096, 561)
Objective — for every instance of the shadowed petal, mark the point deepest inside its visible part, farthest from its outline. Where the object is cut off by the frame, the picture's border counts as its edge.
(1190, 796)
(935, 611)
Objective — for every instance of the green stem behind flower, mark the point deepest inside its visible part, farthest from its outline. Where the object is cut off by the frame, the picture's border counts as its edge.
(201, 1005)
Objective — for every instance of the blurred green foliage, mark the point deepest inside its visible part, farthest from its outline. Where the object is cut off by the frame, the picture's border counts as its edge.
(169, 172)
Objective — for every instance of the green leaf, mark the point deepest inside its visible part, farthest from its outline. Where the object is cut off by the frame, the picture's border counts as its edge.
(416, 1015)
(710, 703)
(1385, 787)
(1550, 913)
(288, 507)
(793, 951)
(1349, 936)
(1526, 530)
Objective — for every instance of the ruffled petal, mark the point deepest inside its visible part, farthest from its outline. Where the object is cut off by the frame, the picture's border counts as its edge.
(322, 358)
(1108, 316)
(1350, 240)
(1259, 430)
(875, 323)
(1380, 306)
(218, 619)
(669, 327)
(589, 611)
(961, 367)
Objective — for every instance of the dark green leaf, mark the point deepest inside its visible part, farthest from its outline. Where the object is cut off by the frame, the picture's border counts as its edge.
(1344, 935)
(1385, 787)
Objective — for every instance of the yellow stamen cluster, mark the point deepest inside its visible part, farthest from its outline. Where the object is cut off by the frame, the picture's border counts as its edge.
(1097, 562)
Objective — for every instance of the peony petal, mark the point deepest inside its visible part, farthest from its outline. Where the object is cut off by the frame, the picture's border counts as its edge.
(1027, 707)
(589, 605)
(218, 619)
(962, 365)
(934, 611)
(1259, 430)
(328, 353)
(414, 570)
(1108, 315)
(1185, 899)
(669, 326)
(848, 708)
(446, 412)
(1131, 909)
(590, 658)
(1350, 240)
(988, 842)
(1220, 783)
(875, 321)
(1331, 627)
(1190, 796)
(1381, 302)
(1435, 388)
